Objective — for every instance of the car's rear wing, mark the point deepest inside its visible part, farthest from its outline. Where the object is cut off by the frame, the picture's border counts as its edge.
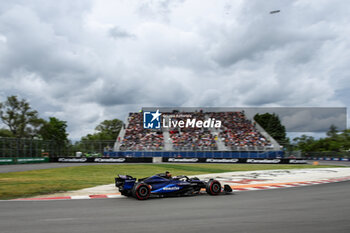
(122, 179)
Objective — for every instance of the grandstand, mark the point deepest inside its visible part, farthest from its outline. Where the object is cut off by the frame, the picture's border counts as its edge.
(237, 133)
(136, 138)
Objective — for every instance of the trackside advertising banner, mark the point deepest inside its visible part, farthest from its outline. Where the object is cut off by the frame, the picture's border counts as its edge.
(7, 161)
(177, 160)
(101, 160)
(328, 159)
(23, 160)
(32, 160)
(238, 160)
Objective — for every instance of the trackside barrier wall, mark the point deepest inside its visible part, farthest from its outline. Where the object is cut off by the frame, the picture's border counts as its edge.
(175, 160)
(32, 160)
(7, 161)
(24, 160)
(220, 160)
(329, 159)
(100, 160)
(197, 154)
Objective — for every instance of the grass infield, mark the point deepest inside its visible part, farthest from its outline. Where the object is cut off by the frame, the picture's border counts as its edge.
(46, 181)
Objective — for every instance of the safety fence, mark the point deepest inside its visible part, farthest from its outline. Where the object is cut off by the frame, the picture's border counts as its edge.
(26, 147)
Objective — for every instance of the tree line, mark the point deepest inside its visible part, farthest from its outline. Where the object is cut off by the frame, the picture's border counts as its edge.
(335, 140)
(21, 121)
(338, 141)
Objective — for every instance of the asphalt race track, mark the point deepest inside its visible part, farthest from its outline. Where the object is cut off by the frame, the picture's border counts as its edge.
(317, 208)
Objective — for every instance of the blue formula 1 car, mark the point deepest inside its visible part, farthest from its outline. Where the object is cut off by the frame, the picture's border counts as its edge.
(163, 185)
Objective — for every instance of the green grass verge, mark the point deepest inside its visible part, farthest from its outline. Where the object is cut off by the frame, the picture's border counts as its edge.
(46, 181)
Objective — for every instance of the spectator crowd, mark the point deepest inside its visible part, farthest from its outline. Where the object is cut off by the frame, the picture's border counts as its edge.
(236, 132)
(137, 138)
(192, 139)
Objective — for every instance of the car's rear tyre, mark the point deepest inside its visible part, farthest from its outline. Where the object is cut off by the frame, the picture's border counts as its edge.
(213, 187)
(141, 191)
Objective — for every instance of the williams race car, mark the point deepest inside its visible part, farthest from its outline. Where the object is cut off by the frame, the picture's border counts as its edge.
(163, 185)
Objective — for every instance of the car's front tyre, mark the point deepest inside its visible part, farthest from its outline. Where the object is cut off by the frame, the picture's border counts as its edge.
(213, 187)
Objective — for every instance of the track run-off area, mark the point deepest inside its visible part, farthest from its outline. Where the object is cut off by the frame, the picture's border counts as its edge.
(239, 181)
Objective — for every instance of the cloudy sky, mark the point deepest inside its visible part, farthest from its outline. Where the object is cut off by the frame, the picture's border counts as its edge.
(87, 61)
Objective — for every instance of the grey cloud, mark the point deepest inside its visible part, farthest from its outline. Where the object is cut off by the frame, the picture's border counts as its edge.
(114, 94)
(251, 40)
(117, 32)
(306, 119)
(141, 92)
(33, 45)
(159, 10)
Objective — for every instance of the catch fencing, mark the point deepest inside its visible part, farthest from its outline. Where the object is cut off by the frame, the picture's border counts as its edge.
(23, 147)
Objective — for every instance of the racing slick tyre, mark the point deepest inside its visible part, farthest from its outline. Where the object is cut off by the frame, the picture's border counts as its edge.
(141, 191)
(213, 187)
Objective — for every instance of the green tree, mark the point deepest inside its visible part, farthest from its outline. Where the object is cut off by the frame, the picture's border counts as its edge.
(332, 132)
(334, 142)
(273, 126)
(5, 133)
(305, 143)
(110, 127)
(20, 118)
(106, 130)
(55, 130)
(345, 138)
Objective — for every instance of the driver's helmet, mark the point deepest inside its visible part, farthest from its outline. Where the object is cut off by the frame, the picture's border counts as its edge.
(168, 174)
